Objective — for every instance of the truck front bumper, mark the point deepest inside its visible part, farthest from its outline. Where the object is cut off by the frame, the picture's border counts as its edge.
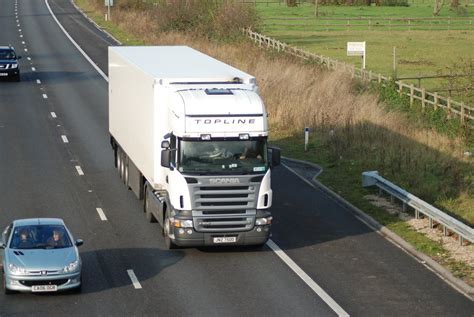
(191, 238)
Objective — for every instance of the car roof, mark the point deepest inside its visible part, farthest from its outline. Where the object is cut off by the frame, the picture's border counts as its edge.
(38, 221)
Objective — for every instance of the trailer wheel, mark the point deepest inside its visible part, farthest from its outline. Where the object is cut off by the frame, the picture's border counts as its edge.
(166, 230)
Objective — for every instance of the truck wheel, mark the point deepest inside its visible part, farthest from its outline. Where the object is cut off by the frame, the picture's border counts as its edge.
(166, 230)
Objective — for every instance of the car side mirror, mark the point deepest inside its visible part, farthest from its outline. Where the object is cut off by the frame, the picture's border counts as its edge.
(79, 242)
(2, 245)
(275, 154)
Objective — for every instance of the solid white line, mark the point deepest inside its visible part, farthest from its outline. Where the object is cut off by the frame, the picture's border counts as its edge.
(76, 45)
(53, 114)
(38, 81)
(308, 280)
(45, 96)
(79, 170)
(65, 140)
(134, 279)
(101, 214)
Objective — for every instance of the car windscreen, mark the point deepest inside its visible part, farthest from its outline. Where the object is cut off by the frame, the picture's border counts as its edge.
(40, 237)
(7, 54)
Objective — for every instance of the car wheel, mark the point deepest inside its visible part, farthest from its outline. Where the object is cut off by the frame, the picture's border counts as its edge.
(6, 290)
(166, 230)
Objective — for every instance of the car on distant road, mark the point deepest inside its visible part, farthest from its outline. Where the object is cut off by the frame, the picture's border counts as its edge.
(40, 255)
(9, 66)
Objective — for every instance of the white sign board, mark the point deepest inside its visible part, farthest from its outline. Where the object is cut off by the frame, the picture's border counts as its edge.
(355, 48)
(109, 3)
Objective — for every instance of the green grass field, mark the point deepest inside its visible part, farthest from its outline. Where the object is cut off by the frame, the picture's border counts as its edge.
(419, 52)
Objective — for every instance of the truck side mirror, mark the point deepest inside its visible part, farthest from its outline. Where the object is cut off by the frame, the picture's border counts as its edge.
(165, 144)
(165, 157)
(275, 156)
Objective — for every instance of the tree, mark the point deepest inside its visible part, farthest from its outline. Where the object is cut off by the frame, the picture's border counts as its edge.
(437, 7)
(291, 3)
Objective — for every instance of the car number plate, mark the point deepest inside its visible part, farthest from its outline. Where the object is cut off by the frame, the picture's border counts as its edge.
(44, 288)
(3, 74)
(225, 239)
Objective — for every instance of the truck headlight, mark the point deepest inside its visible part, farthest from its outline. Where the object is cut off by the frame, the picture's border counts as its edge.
(263, 221)
(182, 223)
(71, 267)
(16, 269)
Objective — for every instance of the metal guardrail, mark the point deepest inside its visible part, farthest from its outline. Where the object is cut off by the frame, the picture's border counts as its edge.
(464, 232)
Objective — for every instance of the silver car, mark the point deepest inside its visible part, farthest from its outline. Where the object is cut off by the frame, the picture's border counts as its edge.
(40, 255)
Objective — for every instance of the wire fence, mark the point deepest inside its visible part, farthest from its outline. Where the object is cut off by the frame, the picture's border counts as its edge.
(464, 112)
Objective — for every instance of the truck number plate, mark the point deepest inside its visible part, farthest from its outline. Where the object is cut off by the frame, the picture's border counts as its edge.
(44, 288)
(225, 239)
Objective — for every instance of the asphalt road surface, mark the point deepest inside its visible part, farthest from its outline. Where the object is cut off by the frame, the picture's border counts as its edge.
(54, 125)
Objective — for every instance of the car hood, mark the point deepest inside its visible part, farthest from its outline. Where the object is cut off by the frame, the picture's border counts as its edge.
(8, 61)
(41, 259)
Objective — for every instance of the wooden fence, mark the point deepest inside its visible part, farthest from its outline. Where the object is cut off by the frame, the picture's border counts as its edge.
(372, 24)
(426, 98)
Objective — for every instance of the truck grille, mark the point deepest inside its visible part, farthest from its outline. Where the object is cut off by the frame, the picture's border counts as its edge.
(224, 223)
(224, 198)
(229, 207)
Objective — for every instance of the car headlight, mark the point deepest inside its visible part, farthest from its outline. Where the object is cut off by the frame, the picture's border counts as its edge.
(71, 267)
(177, 223)
(16, 269)
(13, 66)
(263, 221)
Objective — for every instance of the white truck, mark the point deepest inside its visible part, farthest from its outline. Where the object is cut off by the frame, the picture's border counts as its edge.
(189, 135)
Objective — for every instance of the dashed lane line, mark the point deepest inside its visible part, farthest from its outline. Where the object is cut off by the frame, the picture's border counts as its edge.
(65, 140)
(101, 214)
(134, 279)
(79, 170)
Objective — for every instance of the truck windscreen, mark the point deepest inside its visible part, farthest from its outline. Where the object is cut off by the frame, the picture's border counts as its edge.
(223, 156)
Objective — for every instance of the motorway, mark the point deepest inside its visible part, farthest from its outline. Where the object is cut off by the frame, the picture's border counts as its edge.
(56, 161)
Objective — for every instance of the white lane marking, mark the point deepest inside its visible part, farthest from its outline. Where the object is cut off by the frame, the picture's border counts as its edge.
(28, 58)
(53, 114)
(23, 42)
(17, 21)
(33, 69)
(26, 50)
(45, 96)
(38, 81)
(134, 279)
(101, 214)
(65, 140)
(21, 35)
(76, 45)
(308, 280)
(19, 30)
(79, 170)
(18, 25)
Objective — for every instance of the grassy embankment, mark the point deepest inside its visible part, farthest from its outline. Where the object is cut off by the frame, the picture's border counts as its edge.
(351, 130)
(419, 52)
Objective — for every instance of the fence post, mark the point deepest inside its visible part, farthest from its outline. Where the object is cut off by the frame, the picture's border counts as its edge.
(400, 87)
(423, 99)
(379, 78)
(435, 100)
(463, 113)
(412, 92)
(449, 107)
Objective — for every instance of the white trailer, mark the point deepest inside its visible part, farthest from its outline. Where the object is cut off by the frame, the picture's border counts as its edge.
(189, 135)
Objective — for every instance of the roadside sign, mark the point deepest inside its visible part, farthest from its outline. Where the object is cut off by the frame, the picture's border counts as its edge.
(357, 49)
(109, 3)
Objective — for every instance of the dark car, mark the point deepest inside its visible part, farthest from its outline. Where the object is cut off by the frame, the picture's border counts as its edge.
(9, 66)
